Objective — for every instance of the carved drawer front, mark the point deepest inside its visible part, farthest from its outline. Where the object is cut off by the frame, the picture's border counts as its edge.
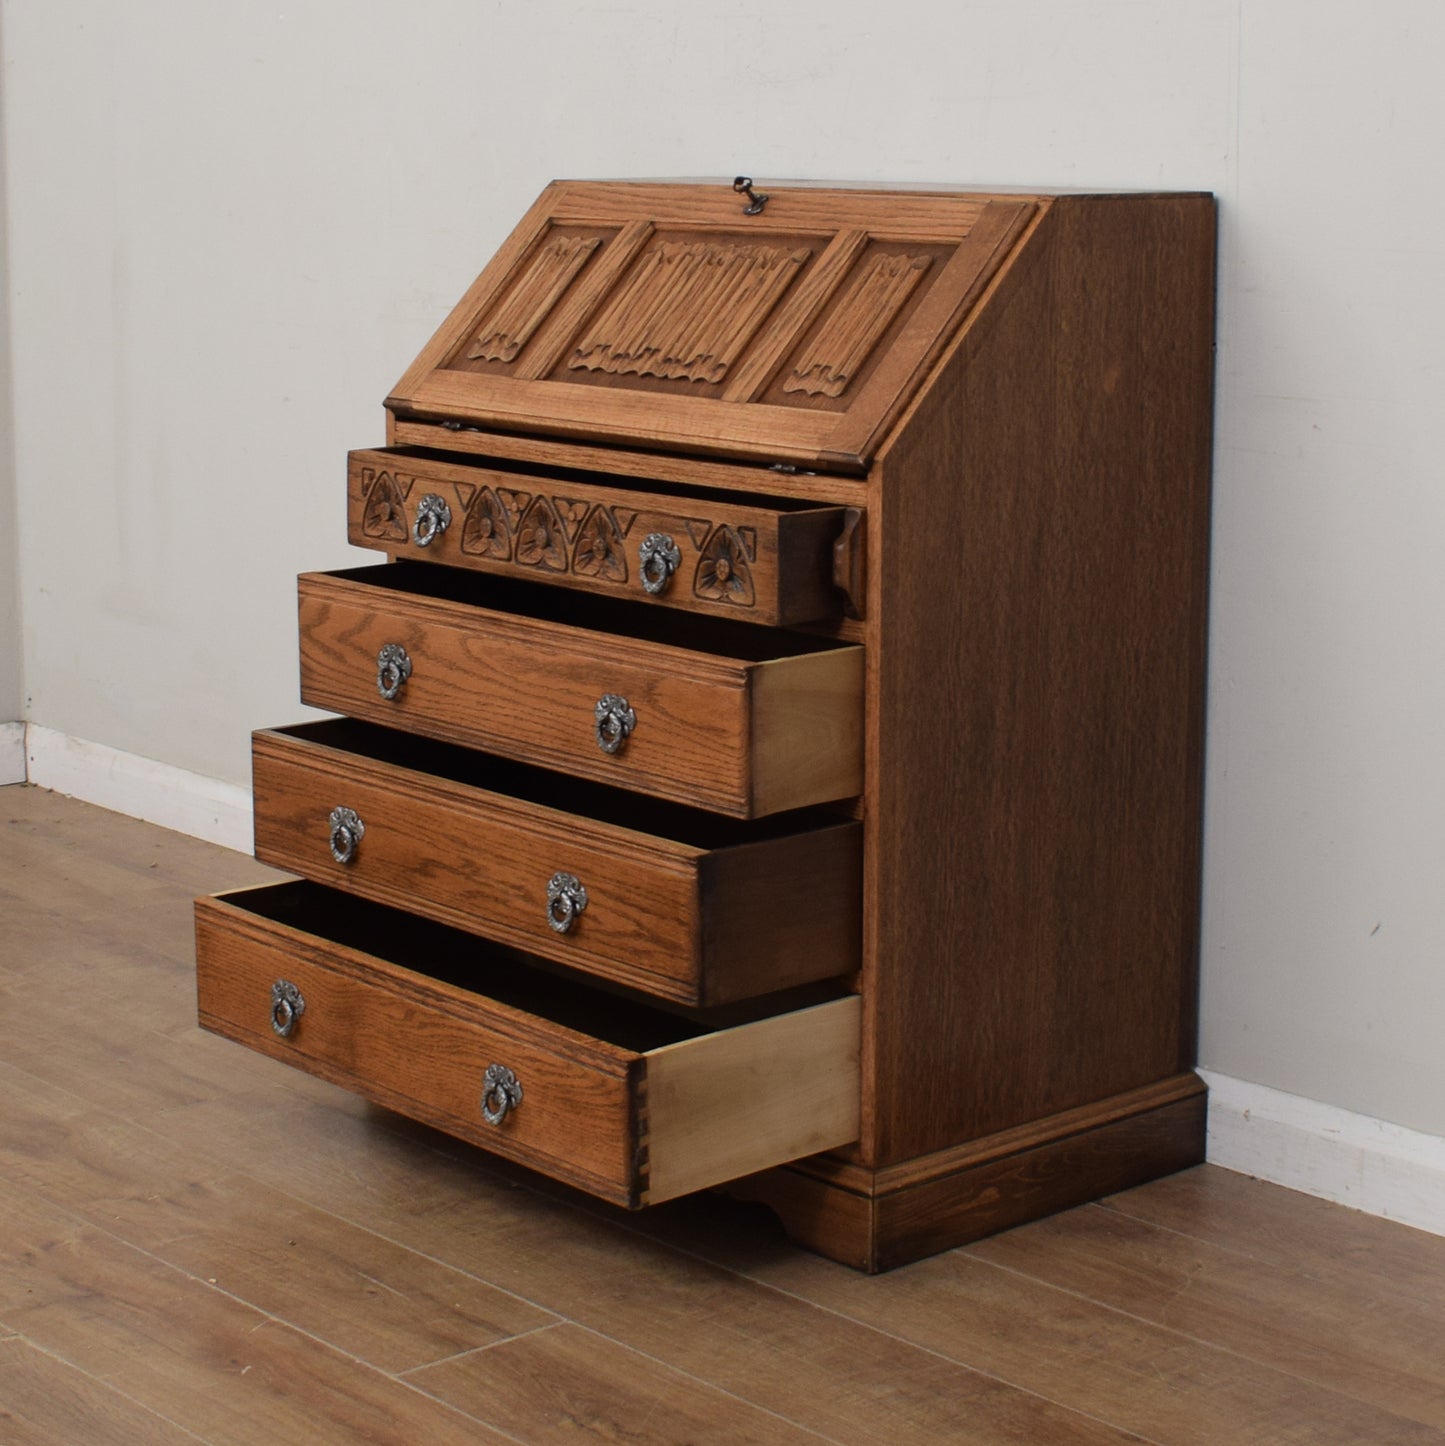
(770, 564)
(623, 1100)
(721, 716)
(683, 904)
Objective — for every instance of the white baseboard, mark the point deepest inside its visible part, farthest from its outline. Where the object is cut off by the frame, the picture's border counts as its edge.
(1380, 1168)
(125, 783)
(12, 753)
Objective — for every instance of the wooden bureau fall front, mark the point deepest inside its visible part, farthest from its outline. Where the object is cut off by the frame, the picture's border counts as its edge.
(772, 752)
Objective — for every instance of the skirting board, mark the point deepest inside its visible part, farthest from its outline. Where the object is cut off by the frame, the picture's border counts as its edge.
(189, 803)
(1368, 1164)
(12, 753)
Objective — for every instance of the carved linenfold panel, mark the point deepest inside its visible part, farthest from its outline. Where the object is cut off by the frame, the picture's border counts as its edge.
(541, 540)
(599, 551)
(855, 324)
(486, 531)
(688, 309)
(530, 300)
(723, 574)
(385, 515)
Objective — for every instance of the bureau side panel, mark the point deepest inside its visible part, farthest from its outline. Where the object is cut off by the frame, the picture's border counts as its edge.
(1038, 688)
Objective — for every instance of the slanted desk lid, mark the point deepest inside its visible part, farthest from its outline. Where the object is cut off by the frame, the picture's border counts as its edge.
(663, 316)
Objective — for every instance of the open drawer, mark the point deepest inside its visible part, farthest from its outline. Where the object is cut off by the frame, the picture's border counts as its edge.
(722, 716)
(631, 1103)
(763, 560)
(680, 903)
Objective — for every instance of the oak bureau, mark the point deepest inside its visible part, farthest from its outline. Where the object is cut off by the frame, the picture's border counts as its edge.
(770, 756)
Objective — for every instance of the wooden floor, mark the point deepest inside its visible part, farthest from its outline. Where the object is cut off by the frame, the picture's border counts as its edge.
(198, 1244)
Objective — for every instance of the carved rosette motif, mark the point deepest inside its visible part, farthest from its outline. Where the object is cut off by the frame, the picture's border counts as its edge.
(599, 551)
(528, 304)
(485, 530)
(541, 539)
(688, 310)
(856, 324)
(723, 571)
(384, 517)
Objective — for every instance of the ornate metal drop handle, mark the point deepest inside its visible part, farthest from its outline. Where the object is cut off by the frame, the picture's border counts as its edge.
(501, 1093)
(433, 517)
(393, 668)
(615, 721)
(347, 830)
(287, 1006)
(566, 898)
(659, 557)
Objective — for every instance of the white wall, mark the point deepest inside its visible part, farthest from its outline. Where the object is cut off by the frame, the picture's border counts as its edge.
(231, 227)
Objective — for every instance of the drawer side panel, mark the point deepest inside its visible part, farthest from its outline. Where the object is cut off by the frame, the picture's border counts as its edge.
(732, 1103)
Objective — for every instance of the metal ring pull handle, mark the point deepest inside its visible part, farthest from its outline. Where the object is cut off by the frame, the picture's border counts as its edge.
(566, 898)
(433, 517)
(347, 830)
(287, 1006)
(501, 1093)
(393, 668)
(615, 721)
(659, 557)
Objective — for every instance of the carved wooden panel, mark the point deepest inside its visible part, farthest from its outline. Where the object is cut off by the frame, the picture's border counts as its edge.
(770, 565)
(856, 323)
(511, 326)
(663, 316)
(688, 309)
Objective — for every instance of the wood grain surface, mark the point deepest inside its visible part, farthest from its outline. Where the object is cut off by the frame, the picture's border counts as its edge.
(1038, 552)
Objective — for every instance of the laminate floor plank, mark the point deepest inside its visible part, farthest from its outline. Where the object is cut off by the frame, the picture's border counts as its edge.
(839, 1378)
(115, 841)
(1068, 1347)
(186, 1350)
(567, 1384)
(1382, 1351)
(387, 1305)
(1276, 1226)
(45, 1402)
(376, 1300)
(140, 1158)
(133, 1070)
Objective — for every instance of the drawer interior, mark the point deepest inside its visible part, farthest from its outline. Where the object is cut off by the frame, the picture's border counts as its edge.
(616, 617)
(510, 977)
(692, 826)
